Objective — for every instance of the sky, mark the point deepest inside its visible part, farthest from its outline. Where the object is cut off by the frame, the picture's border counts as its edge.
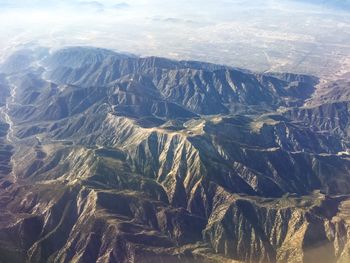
(304, 36)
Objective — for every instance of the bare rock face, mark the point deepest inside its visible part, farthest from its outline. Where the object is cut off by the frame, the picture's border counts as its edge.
(289, 229)
(107, 157)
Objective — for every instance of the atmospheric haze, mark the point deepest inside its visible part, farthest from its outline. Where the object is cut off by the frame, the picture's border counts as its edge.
(295, 36)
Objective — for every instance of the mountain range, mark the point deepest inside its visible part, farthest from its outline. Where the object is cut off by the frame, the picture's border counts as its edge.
(110, 157)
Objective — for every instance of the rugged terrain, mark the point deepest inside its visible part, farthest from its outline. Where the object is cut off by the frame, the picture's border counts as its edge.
(107, 157)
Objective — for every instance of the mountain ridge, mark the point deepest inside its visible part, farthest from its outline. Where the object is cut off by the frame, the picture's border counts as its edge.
(116, 158)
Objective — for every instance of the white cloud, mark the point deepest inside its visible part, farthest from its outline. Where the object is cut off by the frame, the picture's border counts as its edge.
(121, 5)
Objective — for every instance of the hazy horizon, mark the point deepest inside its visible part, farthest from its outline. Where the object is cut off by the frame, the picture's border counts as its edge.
(293, 36)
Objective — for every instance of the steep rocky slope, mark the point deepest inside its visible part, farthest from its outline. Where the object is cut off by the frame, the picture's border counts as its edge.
(107, 157)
